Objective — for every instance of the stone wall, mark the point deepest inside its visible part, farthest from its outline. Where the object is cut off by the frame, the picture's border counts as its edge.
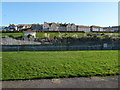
(58, 48)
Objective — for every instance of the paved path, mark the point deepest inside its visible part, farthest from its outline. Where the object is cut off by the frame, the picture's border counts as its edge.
(81, 82)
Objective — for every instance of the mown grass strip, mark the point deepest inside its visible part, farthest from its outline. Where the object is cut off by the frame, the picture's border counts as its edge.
(55, 64)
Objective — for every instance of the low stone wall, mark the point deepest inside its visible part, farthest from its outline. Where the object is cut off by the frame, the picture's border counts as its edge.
(57, 47)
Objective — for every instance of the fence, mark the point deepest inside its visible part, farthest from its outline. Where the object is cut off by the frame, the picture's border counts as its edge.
(58, 47)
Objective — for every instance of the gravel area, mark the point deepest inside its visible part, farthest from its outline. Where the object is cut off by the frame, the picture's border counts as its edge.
(11, 41)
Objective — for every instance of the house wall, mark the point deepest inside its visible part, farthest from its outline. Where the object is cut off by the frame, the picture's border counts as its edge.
(23, 26)
(95, 29)
(12, 28)
(46, 26)
(53, 27)
(62, 28)
(68, 27)
(85, 29)
(115, 28)
(73, 27)
(101, 29)
(36, 27)
(111, 29)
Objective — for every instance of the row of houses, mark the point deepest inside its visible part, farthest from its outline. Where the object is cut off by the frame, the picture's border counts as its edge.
(70, 27)
(60, 27)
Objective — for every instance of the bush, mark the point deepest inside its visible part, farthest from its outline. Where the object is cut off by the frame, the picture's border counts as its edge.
(3, 30)
(29, 36)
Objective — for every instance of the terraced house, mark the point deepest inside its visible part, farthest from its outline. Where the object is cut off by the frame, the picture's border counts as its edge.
(46, 26)
(36, 27)
(112, 29)
(83, 28)
(53, 27)
(23, 26)
(61, 27)
(96, 28)
(71, 27)
(58, 27)
(11, 27)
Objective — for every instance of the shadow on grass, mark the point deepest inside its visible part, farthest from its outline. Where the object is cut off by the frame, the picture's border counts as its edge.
(70, 76)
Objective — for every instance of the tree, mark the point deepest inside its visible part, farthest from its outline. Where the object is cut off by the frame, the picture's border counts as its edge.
(89, 34)
(46, 35)
(11, 36)
(3, 30)
(29, 36)
(102, 34)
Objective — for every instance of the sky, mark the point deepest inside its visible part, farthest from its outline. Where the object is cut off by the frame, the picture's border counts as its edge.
(80, 13)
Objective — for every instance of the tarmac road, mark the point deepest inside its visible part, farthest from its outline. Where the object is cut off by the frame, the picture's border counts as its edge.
(77, 82)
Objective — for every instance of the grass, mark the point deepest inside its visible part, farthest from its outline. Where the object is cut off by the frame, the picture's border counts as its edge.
(14, 34)
(55, 64)
(52, 34)
(41, 34)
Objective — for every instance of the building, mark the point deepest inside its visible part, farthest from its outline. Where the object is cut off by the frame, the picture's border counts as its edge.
(83, 28)
(70, 27)
(58, 27)
(46, 26)
(2, 28)
(116, 28)
(36, 27)
(112, 29)
(107, 29)
(29, 32)
(96, 28)
(11, 27)
(73, 27)
(62, 27)
(53, 27)
(23, 26)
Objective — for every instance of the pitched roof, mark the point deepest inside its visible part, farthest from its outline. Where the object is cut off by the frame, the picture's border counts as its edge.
(83, 26)
(57, 24)
(28, 30)
(96, 26)
(107, 28)
(11, 25)
(24, 25)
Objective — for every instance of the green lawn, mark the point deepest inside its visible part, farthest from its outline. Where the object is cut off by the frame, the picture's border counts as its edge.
(14, 34)
(54, 64)
(52, 34)
(41, 34)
